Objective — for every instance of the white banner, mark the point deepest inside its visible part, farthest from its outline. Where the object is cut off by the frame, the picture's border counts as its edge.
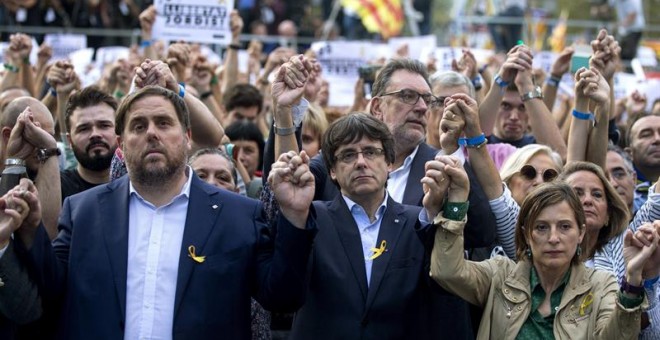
(65, 44)
(205, 21)
(340, 61)
(416, 45)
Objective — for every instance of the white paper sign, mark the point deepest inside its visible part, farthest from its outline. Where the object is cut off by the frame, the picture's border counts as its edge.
(416, 45)
(205, 21)
(106, 55)
(65, 44)
(340, 61)
(544, 60)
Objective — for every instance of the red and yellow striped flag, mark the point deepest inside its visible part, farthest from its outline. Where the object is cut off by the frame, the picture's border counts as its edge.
(379, 16)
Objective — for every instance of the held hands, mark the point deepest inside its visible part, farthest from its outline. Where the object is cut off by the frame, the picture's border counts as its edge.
(590, 84)
(147, 19)
(14, 208)
(563, 62)
(293, 185)
(606, 54)
(518, 59)
(641, 253)
(27, 136)
(467, 65)
(20, 46)
(289, 84)
(62, 77)
(155, 72)
(178, 59)
(444, 175)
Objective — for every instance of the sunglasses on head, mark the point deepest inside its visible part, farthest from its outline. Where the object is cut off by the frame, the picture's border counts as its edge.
(529, 172)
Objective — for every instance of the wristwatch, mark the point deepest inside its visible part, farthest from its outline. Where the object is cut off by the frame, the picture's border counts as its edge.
(536, 93)
(44, 154)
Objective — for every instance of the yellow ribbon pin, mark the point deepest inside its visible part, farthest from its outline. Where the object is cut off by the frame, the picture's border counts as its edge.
(586, 302)
(379, 251)
(191, 254)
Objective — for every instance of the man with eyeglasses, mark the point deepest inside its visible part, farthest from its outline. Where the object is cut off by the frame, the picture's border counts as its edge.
(368, 271)
(622, 176)
(401, 95)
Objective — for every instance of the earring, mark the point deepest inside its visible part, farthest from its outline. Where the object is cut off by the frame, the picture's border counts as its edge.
(528, 252)
(579, 251)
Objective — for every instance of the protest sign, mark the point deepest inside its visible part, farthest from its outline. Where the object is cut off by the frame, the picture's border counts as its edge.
(204, 21)
(65, 44)
(340, 61)
(416, 45)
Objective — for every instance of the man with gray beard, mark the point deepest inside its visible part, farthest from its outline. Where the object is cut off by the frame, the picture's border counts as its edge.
(90, 128)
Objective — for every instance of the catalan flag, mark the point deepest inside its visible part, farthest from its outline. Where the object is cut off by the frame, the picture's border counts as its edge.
(557, 40)
(379, 16)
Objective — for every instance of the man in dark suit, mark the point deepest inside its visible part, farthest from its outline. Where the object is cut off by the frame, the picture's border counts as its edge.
(160, 254)
(367, 270)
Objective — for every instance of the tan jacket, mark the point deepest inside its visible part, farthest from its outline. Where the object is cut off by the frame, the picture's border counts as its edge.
(502, 288)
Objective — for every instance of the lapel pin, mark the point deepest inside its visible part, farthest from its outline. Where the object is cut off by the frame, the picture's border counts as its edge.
(396, 220)
(215, 206)
(379, 251)
(192, 255)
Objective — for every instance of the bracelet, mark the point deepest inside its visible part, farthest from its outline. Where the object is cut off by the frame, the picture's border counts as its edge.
(205, 95)
(500, 82)
(146, 43)
(473, 142)
(455, 211)
(11, 68)
(214, 80)
(583, 116)
(476, 82)
(628, 288)
(52, 91)
(284, 131)
(182, 90)
(552, 81)
(650, 282)
(234, 46)
(26, 60)
(118, 94)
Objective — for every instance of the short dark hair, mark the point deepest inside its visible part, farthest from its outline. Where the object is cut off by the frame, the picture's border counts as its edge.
(545, 195)
(246, 130)
(178, 103)
(384, 76)
(350, 129)
(243, 95)
(632, 119)
(89, 96)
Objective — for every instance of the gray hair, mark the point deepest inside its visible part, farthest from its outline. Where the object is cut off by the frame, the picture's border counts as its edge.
(627, 160)
(452, 79)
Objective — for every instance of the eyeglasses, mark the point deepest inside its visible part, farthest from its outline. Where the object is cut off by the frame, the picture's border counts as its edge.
(619, 174)
(368, 153)
(529, 172)
(438, 102)
(411, 97)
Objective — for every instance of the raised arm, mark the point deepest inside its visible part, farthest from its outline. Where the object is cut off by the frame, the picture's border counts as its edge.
(206, 130)
(230, 76)
(550, 86)
(519, 58)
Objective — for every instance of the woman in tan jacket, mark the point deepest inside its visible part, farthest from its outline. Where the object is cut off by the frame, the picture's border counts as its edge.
(549, 293)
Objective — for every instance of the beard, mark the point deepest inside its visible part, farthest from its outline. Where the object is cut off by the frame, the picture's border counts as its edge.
(149, 173)
(96, 161)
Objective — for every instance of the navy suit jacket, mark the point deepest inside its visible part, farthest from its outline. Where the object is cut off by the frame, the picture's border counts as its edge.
(395, 305)
(480, 228)
(85, 269)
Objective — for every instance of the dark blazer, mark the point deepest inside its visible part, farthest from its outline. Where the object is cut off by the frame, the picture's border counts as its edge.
(212, 298)
(20, 302)
(480, 228)
(340, 305)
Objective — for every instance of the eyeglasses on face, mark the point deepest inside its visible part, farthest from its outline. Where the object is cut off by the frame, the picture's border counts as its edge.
(411, 97)
(351, 156)
(438, 102)
(529, 173)
(619, 174)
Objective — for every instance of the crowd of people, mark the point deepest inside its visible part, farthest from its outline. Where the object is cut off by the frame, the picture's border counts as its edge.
(181, 199)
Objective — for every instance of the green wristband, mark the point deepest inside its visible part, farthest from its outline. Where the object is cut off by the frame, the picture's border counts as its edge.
(11, 68)
(455, 211)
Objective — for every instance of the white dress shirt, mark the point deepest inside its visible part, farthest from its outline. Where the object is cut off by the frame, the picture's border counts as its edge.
(396, 183)
(368, 230)
(154, 244)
